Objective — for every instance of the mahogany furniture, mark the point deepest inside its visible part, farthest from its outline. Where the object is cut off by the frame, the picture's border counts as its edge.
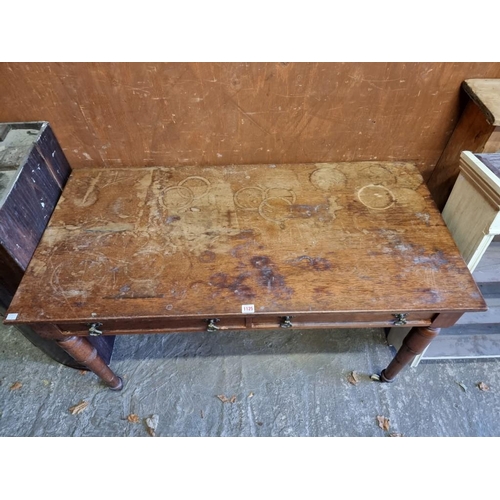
(174, 249)
(33, 172)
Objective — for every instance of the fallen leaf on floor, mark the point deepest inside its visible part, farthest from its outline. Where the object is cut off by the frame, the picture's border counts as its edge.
(483, 387)
(75, 410)
(396, 435)
(352, 378)
(375, 377)
(250, 395)
(133, 418)
(46, 382)
(15, 386)
(83, 372)
(464, 388)
(383, 422)
(224, 399)
(152, 423)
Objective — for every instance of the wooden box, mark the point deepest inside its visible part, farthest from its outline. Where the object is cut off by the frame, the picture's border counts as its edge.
(33, 173)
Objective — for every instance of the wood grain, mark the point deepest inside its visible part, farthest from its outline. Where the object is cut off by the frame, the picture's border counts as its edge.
(196, 243)
(33, 172)
(486, 94)
(473, 133)
(200, 114)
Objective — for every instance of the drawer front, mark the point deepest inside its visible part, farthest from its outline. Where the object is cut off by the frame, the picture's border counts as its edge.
(258, 321)
(146, 325)
(343, 320)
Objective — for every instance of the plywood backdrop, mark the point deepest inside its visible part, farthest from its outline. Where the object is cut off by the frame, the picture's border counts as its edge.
(150, 114)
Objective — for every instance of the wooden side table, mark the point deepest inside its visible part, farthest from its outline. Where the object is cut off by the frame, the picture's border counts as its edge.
(166, 249)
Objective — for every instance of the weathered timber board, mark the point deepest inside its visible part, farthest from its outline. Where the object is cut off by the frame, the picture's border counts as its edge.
(152, 113)
(188, 242)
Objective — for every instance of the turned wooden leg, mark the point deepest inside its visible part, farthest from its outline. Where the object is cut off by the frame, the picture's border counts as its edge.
(86, 354)
(413, 344)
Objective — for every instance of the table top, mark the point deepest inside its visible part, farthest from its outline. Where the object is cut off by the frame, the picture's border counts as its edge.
(198, 241)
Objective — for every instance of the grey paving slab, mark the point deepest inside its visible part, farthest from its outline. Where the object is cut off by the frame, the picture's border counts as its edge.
(285, 383)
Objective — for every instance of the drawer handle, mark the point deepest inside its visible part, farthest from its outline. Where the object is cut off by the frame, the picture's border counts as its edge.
(212, 327)
(286, 322)
(400, 319)
(94, 329)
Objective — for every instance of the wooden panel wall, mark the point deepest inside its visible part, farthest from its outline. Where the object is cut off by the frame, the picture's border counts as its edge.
(145, 114)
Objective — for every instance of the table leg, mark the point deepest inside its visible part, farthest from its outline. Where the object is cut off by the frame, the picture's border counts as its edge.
(413, 344)
(86, 354)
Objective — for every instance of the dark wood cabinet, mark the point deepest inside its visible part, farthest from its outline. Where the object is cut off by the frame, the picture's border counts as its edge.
(33, 173)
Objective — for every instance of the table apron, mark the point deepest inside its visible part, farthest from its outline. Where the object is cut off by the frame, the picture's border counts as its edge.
(241, 322)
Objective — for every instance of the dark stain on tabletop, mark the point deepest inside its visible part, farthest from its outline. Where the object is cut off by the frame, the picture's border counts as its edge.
(269, 277)
(207, 256)
(172, 218)
(315, 263)
(235, 285)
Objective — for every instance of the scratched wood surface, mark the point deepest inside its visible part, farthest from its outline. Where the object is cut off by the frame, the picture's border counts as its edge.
(169, 114)
(190, 241)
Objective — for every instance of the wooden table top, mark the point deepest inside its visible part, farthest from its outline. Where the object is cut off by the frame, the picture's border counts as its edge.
(203, 241)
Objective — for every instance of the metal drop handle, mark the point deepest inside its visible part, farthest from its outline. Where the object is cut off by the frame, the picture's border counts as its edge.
(94, 329)
(212, 327)
(286, 322)
(400, 319)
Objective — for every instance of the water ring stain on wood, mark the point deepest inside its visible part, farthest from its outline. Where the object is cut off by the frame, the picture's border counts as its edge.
(326, 178)
(376, 197)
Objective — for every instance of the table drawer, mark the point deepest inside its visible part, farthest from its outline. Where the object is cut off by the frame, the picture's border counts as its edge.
(154, 325)
(342, 320)
(269, 321)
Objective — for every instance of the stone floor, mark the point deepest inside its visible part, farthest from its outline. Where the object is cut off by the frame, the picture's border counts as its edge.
(275, 383)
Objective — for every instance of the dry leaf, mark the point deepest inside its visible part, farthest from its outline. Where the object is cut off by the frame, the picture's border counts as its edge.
(133, 418)
(483, 387)
(352, 378)
(396, 435)
(250, 395)
(375, 377)
(464, 388)
(83, 372)
(224, 399)
(152, 423)
(75, 410)
(383, 423)
(15, 386)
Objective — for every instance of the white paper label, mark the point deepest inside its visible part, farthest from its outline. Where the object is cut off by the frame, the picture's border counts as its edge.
(11, 316)
(247, 308)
